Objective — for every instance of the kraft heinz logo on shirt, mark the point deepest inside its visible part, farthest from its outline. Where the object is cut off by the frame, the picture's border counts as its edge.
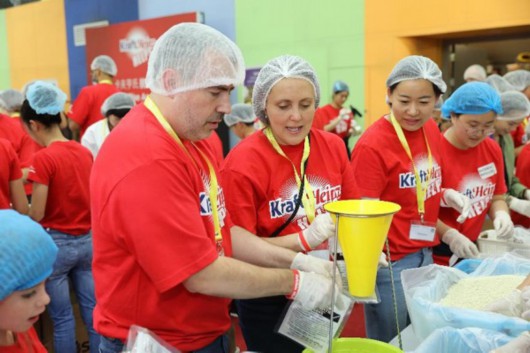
(480, 192)
(433, 176)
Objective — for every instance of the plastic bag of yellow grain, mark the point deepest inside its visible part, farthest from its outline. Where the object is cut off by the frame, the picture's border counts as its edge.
(425, 287)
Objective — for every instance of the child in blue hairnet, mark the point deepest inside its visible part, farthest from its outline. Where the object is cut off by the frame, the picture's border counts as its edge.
(27, 254)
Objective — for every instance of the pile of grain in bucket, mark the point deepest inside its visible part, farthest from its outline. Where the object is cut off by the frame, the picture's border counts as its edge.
(477, 292)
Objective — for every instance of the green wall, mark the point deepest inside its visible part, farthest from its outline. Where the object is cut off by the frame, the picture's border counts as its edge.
(5, 79)
(328, 34)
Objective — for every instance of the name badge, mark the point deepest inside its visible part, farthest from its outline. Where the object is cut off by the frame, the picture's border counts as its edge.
(487, 170)
(422, 231)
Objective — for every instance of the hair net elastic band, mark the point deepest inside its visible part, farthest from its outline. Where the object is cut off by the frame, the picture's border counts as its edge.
(294, 76)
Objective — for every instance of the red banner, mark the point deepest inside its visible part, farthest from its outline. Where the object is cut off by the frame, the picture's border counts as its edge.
(129, 44)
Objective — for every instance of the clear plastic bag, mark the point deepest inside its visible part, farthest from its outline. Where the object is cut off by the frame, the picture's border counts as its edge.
(141, 340)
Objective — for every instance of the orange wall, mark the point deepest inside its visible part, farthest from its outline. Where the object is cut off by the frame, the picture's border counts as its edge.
(36, 40)
(395, 29)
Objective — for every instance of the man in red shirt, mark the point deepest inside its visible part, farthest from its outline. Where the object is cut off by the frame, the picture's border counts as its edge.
(167, 256)
(86, 109)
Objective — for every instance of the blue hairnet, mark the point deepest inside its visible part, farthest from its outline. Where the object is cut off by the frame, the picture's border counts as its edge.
(27, 253)
(105, 64)
(499, 83)
(285, 66)
(45, 98)
(340, 86)
(472, 98)
(240, 113)
(11, 100)
(515, 106)
(416, 67)
(520, 79)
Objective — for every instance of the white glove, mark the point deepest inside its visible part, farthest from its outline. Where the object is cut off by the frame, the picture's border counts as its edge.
(382, 260)
(459, 244)
(519, 345)
(454, 199)
(318, 231)
(527, 194)
(520, 206)
(516, 303)
(313, 264)
(503, 225)
(344, 113)
(312, 290)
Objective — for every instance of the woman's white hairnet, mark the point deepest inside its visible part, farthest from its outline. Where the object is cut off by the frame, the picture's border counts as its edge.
(11, 100)
(475, 72)
(499, 83)
(192, 56)
(241, 113)
(118, 100)
(45, 98)
(285, 66)
(416, 67)
(105, 64)
(519, 79)
(515, 106)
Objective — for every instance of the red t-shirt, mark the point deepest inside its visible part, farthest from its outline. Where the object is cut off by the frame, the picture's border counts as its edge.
(153, 229)
(261, 187)
(217, 146)
(325, 114)
(65, 168)
(384, 171)
(86, 109)
(11, 129)
(26, 342)
(519, 135)
(9, 171)
(522, 171)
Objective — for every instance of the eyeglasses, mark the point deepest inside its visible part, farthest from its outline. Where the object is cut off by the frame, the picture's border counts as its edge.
(479, 130)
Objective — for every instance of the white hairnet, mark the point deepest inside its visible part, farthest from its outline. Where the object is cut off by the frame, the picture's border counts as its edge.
(45, 98)
(198, 56)
(515, 106)
(241, 113)
(519, 79)
(118, 100)
(285, 66)
(11, 100)
(416, 67)
(475, 72)
(499, 83)
(105, 64)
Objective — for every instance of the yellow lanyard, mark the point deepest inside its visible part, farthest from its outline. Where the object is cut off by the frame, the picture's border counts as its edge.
(109, 82)
(149, 104)
(308, 198)
(420, 190)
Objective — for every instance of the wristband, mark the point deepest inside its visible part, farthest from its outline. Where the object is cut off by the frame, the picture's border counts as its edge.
(296, 286)
(303, 243)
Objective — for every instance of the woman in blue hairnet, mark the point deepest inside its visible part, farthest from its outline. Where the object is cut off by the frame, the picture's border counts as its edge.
(479, 173)
(60, 203)
(398, 159)
(27, 255)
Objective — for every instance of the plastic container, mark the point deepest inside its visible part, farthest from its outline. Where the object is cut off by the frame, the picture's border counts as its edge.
(360, 345)
(489, 245)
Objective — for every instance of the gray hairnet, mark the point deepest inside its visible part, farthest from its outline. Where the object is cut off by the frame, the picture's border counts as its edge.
(475, 72)
(118, 100)
(499, 83)
(11, 100)
(285, 66)
(416, 67)
(515, 106)
(45, 98)
(519, 79)
(105, 64)
(198, 56)
(241, 113)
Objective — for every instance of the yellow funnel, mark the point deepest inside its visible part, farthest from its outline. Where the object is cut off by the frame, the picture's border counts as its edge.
(362, 228)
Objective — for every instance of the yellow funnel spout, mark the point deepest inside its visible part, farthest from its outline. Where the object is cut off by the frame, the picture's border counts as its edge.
(362, 227)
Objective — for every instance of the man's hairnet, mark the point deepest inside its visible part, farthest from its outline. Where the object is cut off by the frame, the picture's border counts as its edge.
(105, 64)
(285, 66)
(11, 100)
(118, 100)
(340, 86)
(499, 83)
(475, 72)
(192, 56)
(519, 79)
(27, 253)
(416, 67)
(241, 113)
(515, 106)
(472, 98)
(45, 98)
